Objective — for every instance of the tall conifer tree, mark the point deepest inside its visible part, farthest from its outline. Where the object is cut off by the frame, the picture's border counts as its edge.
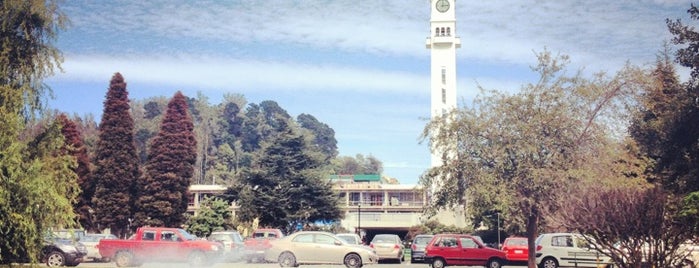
(163, 191)
(116, 161)
(75, 147)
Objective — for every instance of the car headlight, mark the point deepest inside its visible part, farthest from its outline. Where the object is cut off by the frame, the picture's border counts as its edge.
(215, 247)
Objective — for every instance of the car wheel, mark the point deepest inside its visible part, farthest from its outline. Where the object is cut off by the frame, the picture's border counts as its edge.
(55, 259)
(494, 263)
(438, 263)
(549, 263)
(353, 261)
(197, 259)
(123, 259)
(287, 259)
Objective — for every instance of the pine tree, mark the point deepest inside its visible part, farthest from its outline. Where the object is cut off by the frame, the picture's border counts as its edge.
(74, 146)
(163, 191)
(286, 185)
(116, 162)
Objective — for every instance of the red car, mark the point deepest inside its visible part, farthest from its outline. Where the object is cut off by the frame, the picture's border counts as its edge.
(463, 250)
(516, 248)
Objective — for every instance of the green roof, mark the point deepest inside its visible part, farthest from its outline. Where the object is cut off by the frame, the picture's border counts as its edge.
(357, 177)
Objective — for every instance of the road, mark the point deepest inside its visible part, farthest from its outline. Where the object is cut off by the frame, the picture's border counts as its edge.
(262, 265)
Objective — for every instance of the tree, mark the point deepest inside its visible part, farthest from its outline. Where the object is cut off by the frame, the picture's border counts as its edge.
(37, 189)
(649, 228)
(163, 191)
(359, 164)
(213, 215)
(324, 136)
(116, 162)
(519, 153)
(286, 185)
(74, 146)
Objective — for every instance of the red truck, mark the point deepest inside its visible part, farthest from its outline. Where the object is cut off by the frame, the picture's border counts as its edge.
(155, 244)
(258, 243)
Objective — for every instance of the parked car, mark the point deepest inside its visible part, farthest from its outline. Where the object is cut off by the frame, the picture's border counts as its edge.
(62, 252)
(388, 247)
(350, 238)
(259, 241)
(90, 241)
(567, 250)
(463, 250)
(516, 248)
(160, 244)
(417, 248)
(232, 244)
(312, 247)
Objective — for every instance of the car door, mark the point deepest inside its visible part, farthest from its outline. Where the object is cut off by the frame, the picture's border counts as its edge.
(147, 246)
(328, 250)
(170, 248)
(448, 247)
(471, 252)
(303, 247)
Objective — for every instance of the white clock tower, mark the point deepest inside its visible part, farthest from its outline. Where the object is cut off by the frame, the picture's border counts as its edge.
(442, 44)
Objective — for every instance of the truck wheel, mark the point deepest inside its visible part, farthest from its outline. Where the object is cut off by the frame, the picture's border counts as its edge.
(197, 259)
(287, 259)
(123, 259)
(55, 259)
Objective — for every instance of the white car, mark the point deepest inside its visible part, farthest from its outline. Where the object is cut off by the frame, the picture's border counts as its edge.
(90, 241)
(567, 250)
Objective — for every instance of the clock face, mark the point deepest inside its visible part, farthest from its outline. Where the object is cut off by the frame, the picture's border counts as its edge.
(442, 5)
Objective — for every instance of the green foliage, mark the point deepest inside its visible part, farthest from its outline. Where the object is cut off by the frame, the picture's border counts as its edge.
(74, 146)
(37, 185)
(323, 135)
(116, 162)
(286, 185)
(360, 164)
(162, 195)
(213, 215)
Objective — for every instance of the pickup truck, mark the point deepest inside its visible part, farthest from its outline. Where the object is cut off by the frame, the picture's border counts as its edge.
(258, 242)
(156, 244)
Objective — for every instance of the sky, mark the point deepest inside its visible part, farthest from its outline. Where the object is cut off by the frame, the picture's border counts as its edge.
(361, 67)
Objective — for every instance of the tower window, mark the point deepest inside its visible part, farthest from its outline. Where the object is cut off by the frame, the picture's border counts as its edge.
(444, 75)
(448, 31)
(444, 96)
(436, 31)
(442, 31)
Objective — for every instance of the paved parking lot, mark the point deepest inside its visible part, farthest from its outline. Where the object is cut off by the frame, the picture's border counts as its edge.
(261, 265)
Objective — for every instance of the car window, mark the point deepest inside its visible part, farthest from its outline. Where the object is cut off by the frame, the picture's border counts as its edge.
(582, 243)
(220, 237)
(447, 242)
(168, 236)
(516, 242)
(304, 238)
(349, 239)
(562, 241)
(384, 239)
(422, 240)
(468, 243)
(148, 235)
(325, 239)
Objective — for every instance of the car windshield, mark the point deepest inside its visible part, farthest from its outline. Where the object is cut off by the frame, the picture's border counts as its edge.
(186, 235)
(516, 242)
(422, 240)
(384, 239)
(349, 239)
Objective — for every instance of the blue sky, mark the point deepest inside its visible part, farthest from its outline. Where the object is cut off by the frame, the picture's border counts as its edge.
(359, 66)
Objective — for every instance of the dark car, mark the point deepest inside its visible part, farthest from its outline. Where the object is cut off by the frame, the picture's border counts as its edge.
(417, 248)
(462, 250)
(62, 252)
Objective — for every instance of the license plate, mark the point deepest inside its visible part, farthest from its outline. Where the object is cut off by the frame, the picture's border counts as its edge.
(519, 251)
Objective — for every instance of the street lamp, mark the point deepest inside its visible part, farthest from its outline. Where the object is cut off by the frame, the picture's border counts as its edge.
(359, 219)
(498, 229)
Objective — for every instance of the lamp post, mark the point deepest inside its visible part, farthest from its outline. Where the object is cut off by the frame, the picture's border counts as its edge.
(359, 218)
(498, 229)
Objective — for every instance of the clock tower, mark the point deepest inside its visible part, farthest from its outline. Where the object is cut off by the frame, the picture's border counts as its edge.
(442, 44)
